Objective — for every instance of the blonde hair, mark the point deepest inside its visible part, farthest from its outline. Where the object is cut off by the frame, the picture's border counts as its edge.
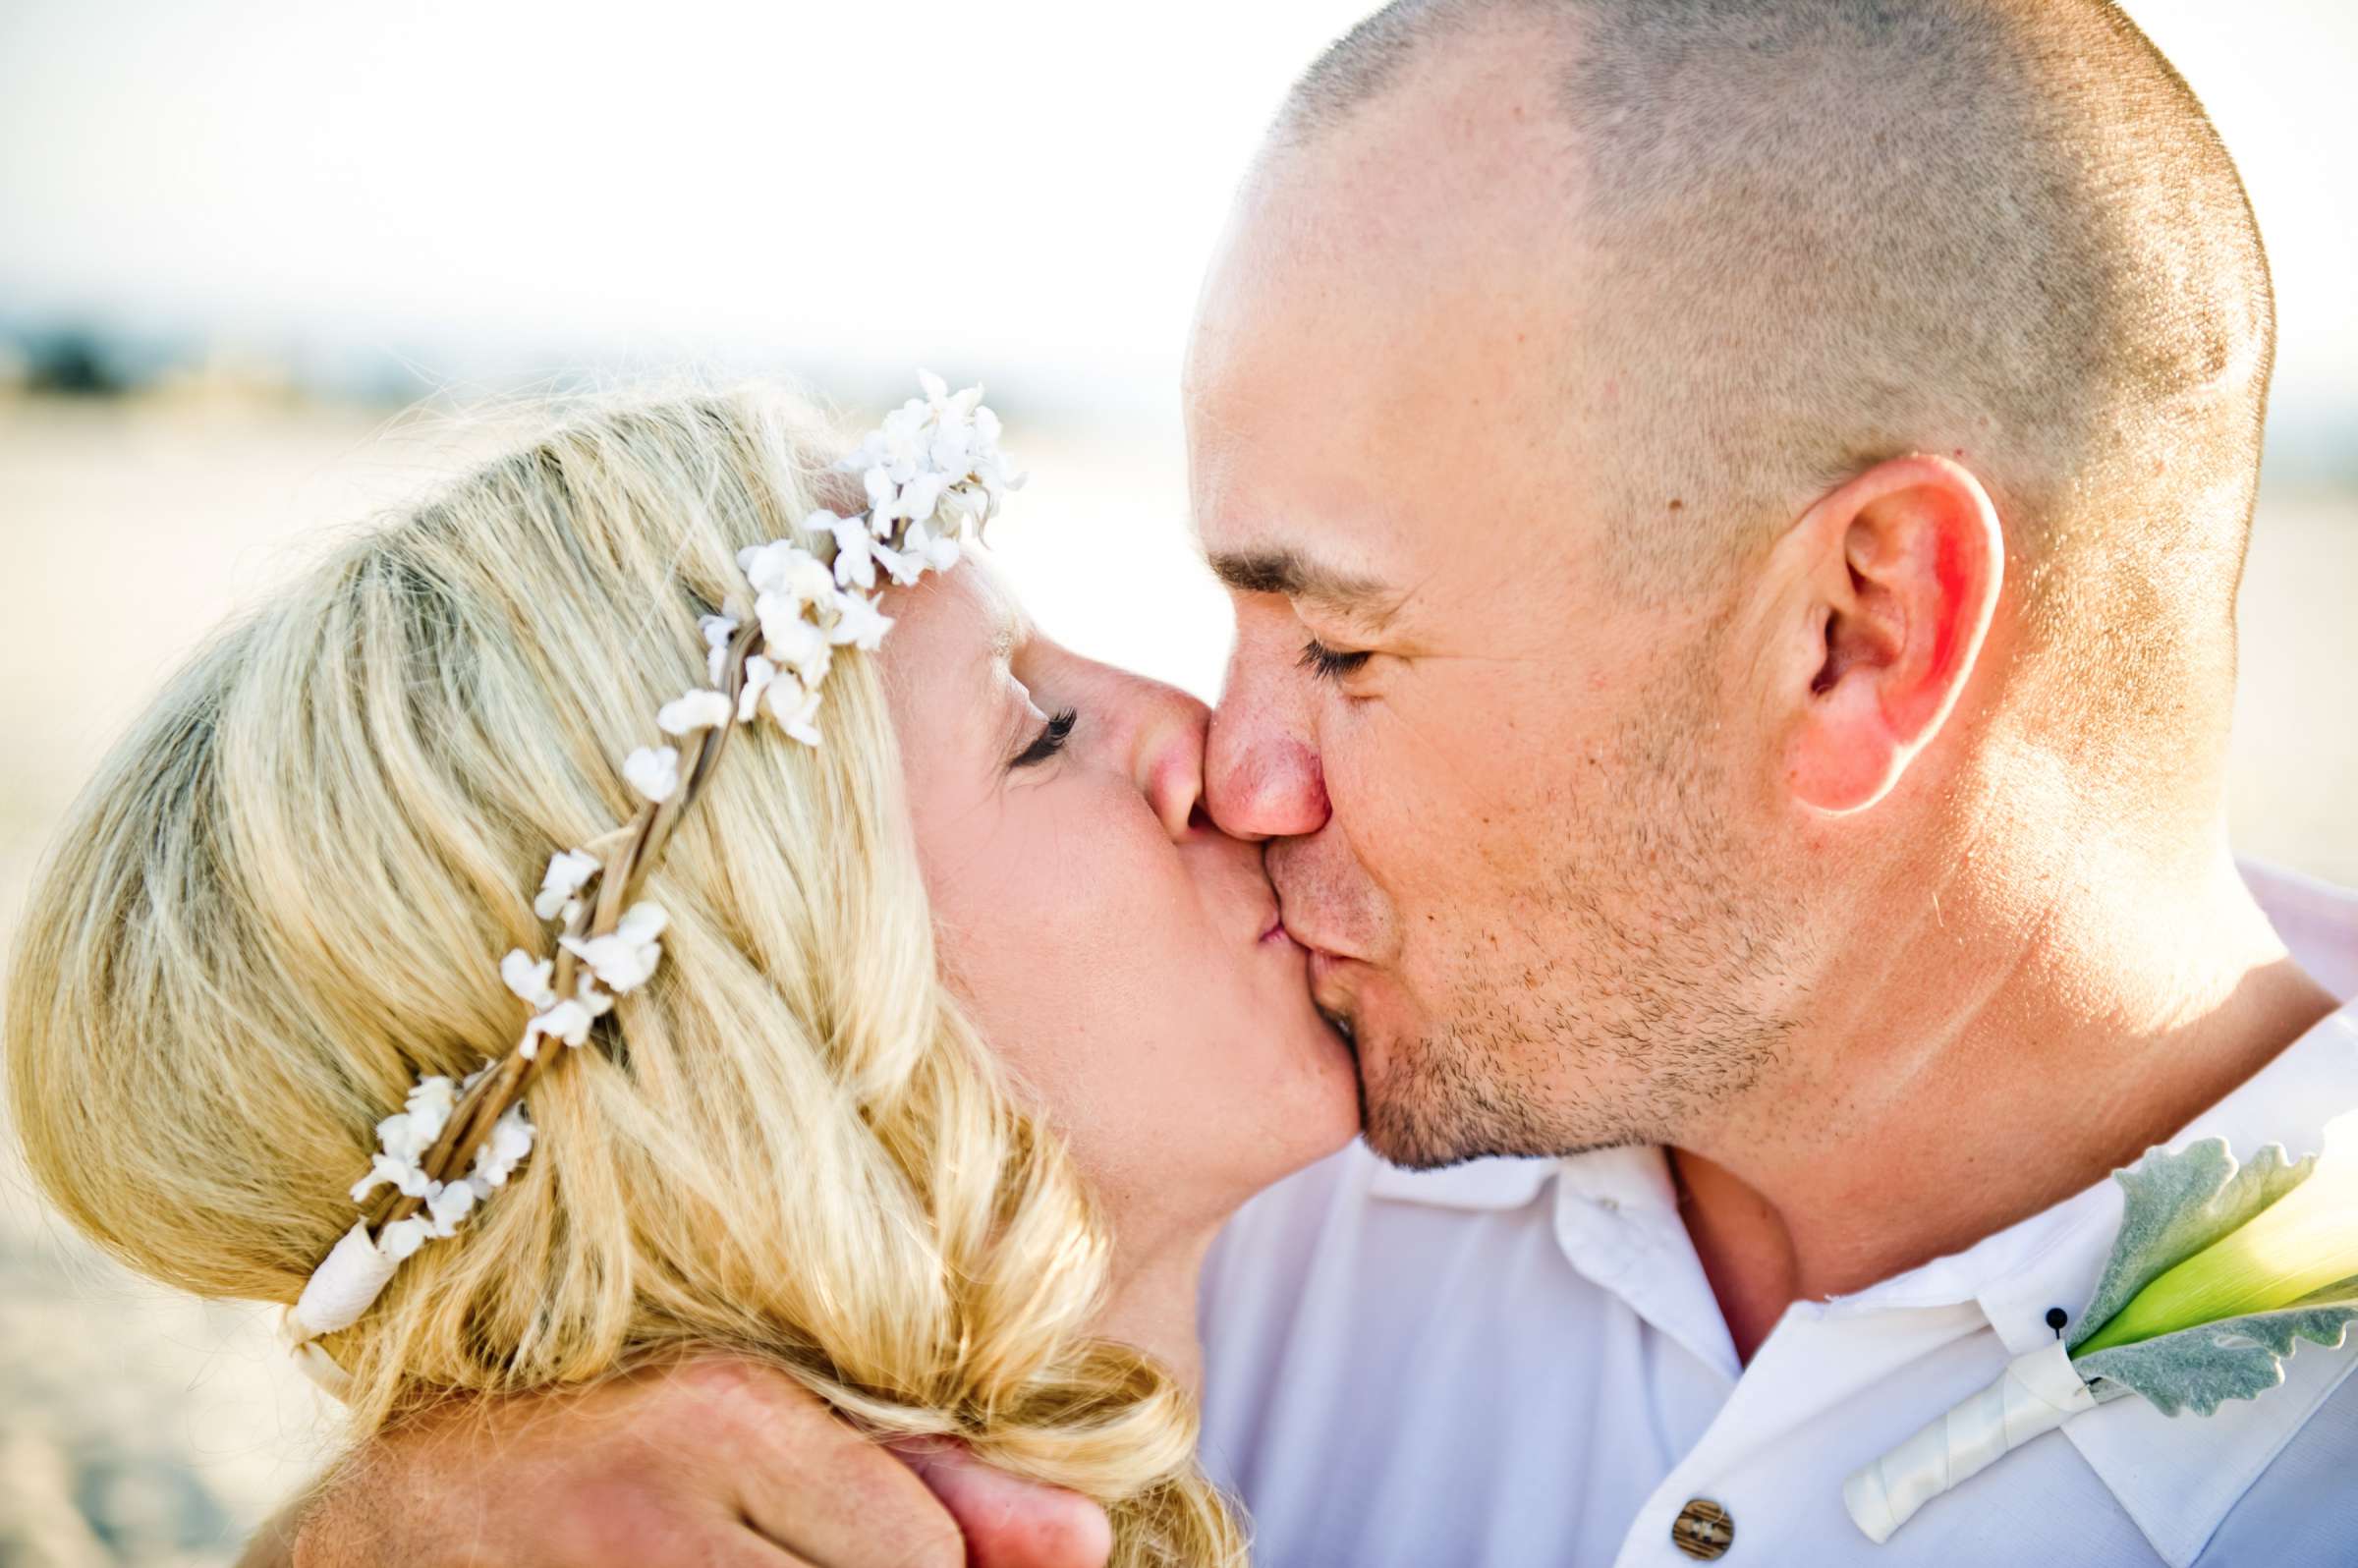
(284, 899)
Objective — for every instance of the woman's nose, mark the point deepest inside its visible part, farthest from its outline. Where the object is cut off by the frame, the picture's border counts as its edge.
(1262, 778)
(1167, 755)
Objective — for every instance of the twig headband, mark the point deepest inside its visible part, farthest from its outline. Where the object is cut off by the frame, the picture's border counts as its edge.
(935, 477)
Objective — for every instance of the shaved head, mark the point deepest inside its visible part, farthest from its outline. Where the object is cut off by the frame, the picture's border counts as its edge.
(1793, 238)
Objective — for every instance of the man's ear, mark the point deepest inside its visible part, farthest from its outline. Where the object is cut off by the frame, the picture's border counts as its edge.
(1894, 579)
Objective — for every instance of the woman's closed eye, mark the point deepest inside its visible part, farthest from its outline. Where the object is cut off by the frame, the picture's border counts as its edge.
(1049, 741)
(1331, 664)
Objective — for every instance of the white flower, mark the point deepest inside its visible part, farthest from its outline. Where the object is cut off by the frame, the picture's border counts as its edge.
(921, 495)
(717, 630)
(950, 407)
(568, 872)
(855, 559)
(759, 673)
(962, 506)
(384, 1170)
(626, 956)
(792, 639)
(691, 712)
(903, 569)
(412, 1131)
(859, 623)
(527, 980)
(953, 449)
(449, 1204)
(766, 566)
(594, 997)
(405, 1236)
(929, 553)
(796, 709)
(653, 772)
(567, 1020)
(898, 445)
(499, 1155)
(785, 568)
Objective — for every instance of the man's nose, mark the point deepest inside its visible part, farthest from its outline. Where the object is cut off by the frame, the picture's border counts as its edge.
(1262, 773)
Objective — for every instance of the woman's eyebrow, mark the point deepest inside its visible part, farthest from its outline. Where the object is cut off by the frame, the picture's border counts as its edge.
(992, 668)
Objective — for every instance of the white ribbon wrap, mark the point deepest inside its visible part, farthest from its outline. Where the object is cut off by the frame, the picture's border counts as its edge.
(341, 1288)
(345, 1285)
(2039, 1393)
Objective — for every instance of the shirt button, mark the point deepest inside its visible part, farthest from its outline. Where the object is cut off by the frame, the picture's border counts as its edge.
(1703, 1529)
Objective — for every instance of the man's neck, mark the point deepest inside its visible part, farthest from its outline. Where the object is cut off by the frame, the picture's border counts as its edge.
(1933, 1117)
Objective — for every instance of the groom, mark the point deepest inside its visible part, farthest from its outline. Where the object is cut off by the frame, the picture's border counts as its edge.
(1734, 510)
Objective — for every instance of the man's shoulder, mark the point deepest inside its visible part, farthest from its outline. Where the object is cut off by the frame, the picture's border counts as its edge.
(2317, 920)
(2301, 1506)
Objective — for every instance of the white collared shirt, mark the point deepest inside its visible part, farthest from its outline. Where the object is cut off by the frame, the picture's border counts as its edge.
(1520, 1362)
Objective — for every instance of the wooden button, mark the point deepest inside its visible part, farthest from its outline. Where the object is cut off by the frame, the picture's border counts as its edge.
(1703, 1529)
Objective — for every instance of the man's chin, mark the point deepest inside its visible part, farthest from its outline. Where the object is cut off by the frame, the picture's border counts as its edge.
(1419, 1130)
(1433, 1120)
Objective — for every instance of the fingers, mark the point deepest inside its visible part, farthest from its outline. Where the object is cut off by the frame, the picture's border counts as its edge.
(1008, 1522)
(738, 1547)
(810, 1484)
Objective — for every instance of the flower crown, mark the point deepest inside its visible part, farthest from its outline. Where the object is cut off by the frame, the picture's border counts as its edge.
(935, 477)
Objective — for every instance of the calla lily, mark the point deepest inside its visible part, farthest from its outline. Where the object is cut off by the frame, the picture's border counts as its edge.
(2294, 1247)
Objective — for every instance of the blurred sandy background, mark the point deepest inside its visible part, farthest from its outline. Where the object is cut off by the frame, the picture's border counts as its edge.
(253, 257)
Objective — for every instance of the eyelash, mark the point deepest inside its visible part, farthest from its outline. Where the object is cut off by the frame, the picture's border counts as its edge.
(1331, 664)
(1051, 741)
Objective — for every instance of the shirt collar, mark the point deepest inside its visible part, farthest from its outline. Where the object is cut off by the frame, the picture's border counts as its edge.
(1616, 1219)
(1478, 1184)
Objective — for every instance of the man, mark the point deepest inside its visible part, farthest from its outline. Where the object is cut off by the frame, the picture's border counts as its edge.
(1734, 510)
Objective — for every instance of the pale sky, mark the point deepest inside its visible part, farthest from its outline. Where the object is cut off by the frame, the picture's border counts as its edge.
(1026, 189)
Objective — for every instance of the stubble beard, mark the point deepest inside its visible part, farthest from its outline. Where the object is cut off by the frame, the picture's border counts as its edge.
(1640, 983)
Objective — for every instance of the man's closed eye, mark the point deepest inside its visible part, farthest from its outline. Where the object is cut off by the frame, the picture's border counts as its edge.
(1331, 664)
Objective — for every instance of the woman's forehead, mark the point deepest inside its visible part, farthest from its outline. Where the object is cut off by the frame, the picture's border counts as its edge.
(955, 632)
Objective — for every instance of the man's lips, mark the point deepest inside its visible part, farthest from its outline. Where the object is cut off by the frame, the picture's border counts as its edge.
(1311, 944)
(1328, 990)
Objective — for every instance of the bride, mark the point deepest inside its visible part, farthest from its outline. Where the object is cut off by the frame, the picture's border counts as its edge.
(568, 927)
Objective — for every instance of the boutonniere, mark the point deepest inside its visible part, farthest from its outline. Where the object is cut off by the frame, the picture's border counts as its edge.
(2217, 1272)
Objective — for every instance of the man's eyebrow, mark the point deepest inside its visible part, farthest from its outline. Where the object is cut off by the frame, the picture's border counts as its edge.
(1296, 576)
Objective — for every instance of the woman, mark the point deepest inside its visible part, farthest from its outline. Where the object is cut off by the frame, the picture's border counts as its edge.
(958, 1033)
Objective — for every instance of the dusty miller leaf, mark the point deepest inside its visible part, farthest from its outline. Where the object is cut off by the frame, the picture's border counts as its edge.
(2235, 1358)
(2175, 1206)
